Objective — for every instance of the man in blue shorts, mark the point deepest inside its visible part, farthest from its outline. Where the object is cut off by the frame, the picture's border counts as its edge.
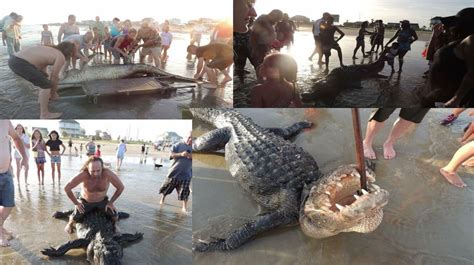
(7, 189)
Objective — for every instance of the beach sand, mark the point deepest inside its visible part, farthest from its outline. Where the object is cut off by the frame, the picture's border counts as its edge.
(426, 221)
(167, 231)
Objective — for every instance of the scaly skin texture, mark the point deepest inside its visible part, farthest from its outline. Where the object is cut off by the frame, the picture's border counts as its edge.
(278, 175)
(96, 233)
(341, 78)
(115, 71)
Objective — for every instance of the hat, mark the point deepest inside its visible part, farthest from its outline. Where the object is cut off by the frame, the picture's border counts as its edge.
(405, 21)
(466, 15)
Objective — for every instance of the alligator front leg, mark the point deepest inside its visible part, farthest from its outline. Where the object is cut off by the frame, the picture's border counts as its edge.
(292, 130)
(212, 141)
(127, 238)
(61, 250)
(243, 234)
(62, 215)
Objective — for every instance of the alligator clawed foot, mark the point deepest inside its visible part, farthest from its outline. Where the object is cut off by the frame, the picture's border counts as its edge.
(204, 246)
(51, 252)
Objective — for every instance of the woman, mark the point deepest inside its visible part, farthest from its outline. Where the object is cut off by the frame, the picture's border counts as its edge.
(90, 147)
(360, 39)
(39, 148)
(20, 130)
(405, 37)
(54, 144)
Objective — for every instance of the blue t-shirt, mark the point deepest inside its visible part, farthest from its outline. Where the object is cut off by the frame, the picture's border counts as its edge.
(181, 167)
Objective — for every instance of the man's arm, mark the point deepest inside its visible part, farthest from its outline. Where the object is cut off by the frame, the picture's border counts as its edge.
(199, 68)
(415, 36)
(18, 144)
(117, 45)
(341, 34)
(74, 182)
(465, 50)
(60, 33)
(57, 67)
(393, 38)
(117, 183)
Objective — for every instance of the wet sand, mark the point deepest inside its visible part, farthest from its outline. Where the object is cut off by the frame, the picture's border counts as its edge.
(427, 220)
(393, 91)
(167, 231)
(18, 98)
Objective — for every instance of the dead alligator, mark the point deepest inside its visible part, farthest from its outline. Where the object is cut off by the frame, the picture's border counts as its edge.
(284, 179)
(117, 71)
(342, 78)
(96, 233)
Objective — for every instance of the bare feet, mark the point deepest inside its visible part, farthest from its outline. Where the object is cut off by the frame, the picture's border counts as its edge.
(388, 151)
(69, 229)
(453, 178)
(225, 80)
(8, 234)
(184, 210)
(161, 202)
(368, 151)
(3, 240)
(54, 97)
(469, 163)
(51, 115)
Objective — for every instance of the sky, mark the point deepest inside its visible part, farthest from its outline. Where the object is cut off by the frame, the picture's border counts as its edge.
(419, 11)
(144, 129)
(52, 11)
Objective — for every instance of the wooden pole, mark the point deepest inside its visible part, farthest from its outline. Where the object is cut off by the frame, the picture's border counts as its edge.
(359, 148)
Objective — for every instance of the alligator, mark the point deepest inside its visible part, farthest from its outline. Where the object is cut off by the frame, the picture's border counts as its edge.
(284, 179)
(341, 78)
(95, 233)
(75, 77)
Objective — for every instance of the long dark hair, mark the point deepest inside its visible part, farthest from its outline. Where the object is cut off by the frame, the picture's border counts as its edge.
(55, 132)
(22, 128)
(33, 135)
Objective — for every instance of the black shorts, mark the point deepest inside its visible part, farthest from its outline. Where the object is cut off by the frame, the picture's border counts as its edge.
(317, 40)
(91, 206)
(414, 115)
(29, 72)
(182, 186)
(220, 63)
(326, 48)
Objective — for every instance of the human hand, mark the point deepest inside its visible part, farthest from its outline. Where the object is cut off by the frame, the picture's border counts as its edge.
(471, 112)
(111, 207)
(24, 163)
(80, 208)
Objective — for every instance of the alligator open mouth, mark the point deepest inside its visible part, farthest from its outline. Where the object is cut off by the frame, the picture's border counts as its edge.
(334, 204)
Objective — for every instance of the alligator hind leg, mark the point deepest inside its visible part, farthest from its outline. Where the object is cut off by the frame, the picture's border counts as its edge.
(62, 215)
(127, 238)
(292, 130)
(243, 234)
(212, 141)
(61, 250)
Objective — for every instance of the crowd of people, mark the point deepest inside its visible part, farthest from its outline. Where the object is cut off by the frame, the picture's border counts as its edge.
(450, 53)
(94, 177)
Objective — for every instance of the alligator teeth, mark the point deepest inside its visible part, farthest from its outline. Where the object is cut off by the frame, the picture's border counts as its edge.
(340, 207)
(376, 187)
(339, 184)
(328, 193)
(364, 192)
(357, 174)
(357, 197)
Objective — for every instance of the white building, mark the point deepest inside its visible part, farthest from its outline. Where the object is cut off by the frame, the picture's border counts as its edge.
(167, 139)
(70, 128)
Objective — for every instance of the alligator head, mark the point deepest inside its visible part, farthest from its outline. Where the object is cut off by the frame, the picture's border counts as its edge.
(333, 205)
(104, 251)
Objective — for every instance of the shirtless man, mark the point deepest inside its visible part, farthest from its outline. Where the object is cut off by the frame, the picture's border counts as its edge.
(82, 43)
(151, 42)
(68, 29)
(210, 57)
(451, 77)
(7, 190)
(31, 63)
(263, 35)
(95, 180)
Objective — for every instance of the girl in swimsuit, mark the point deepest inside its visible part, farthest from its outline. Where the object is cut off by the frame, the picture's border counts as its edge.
(20, 130)
(39, 148)
(54, 144)
(360, 39)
